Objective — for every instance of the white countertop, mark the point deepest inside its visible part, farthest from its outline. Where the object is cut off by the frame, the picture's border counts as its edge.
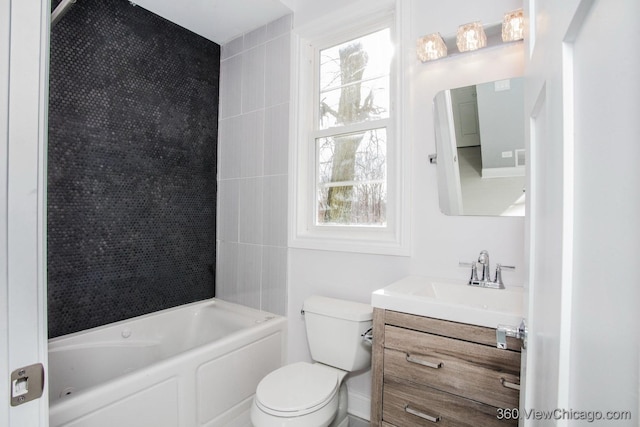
(452, 300)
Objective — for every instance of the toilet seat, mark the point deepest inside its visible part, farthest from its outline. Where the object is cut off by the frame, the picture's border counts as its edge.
(297, 389)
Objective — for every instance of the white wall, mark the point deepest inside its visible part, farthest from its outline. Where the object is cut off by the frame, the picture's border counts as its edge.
(605, 343)
(306, 11)
(438, 242)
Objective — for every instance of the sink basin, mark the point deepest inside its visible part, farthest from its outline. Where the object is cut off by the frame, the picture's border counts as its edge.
(450, 300)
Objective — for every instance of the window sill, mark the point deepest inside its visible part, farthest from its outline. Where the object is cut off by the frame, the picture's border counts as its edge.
(370, 242)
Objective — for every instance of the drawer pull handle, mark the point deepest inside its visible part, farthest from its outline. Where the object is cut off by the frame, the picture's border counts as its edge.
(412, 359)
(507, 384)
(422, 415)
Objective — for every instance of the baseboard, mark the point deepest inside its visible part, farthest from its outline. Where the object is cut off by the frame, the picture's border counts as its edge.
(357, 422)
(503, 172)
(360, 405)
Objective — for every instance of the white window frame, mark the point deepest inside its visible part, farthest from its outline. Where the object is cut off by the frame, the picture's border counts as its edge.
(344, 25)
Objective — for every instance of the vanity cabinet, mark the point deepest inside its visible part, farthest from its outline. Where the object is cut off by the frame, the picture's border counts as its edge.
(430, 372)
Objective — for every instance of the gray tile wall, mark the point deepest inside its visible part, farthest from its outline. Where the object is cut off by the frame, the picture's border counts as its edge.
(252, 179)
(133, 120)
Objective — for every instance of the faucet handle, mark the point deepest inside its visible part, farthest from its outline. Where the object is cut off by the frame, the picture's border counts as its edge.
(499, 268)
(474, 270)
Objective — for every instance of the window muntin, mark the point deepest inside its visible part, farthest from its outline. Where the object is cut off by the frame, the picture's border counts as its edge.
(350, 134)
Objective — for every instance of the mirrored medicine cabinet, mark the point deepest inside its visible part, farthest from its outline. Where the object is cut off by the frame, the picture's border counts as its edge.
(480, 157)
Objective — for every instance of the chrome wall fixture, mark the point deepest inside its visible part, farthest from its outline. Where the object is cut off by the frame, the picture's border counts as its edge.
(471, 37)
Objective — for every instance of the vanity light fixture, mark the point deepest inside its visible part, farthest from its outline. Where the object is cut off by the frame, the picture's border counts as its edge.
(431, 47)
(513, 26)
(471, 37)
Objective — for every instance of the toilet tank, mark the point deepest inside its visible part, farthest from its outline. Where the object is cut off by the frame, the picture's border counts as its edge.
(334, 332)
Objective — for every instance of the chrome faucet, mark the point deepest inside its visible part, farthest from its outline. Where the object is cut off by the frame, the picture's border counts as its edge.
(483, 260)
(485, 280)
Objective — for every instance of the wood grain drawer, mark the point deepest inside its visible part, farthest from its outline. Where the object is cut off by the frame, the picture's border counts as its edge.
(461, 331)
(470, 370)
(406, 405)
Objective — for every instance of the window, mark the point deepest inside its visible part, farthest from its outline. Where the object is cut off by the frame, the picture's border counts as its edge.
(345, 181)
(350, 133)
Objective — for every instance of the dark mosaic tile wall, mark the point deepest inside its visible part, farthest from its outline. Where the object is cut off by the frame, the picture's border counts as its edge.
(132, 165)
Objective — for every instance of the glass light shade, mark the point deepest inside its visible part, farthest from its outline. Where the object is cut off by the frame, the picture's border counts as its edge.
(471, 37)
(513, 26)
(431, 47)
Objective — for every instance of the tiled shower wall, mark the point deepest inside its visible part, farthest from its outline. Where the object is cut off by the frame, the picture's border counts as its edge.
(252, 175)
(133, 119)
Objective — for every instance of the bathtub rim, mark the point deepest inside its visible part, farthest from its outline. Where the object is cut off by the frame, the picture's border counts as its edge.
(252, 312)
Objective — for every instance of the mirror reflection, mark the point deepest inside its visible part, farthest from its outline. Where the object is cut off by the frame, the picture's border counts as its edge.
(480, 149)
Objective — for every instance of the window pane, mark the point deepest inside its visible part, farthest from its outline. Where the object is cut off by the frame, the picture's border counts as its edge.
(372, 93)
(370, 200)
(354, 80)
(352, 178)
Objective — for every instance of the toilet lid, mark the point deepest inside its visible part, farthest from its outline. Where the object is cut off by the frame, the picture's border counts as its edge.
(297, 389)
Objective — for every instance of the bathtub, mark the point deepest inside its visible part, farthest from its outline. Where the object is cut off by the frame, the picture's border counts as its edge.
(193, 365)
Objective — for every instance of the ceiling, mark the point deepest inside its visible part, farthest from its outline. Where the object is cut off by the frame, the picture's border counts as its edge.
(218, 20)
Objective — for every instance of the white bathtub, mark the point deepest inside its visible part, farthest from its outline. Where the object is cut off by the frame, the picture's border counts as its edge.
(194, 365)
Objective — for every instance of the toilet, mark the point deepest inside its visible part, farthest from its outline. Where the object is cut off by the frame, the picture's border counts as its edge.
(314, 394)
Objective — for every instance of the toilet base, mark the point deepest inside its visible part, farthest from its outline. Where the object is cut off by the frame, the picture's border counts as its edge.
(341, 419)
(344, 423)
